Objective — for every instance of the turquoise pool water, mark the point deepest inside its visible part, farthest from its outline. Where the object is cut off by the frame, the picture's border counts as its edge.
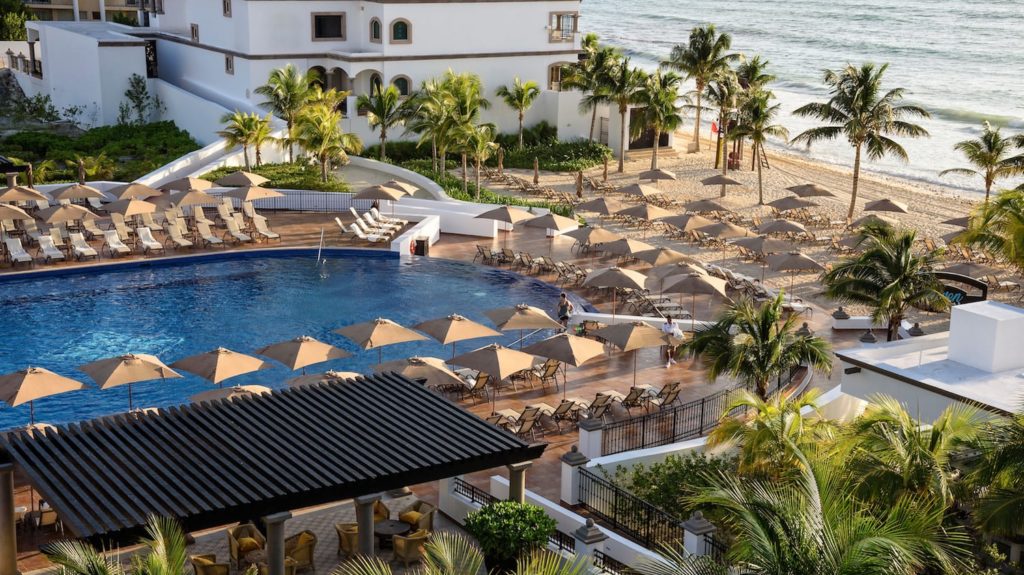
(242, 303)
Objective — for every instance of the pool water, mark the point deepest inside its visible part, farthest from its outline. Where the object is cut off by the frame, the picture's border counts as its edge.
(244, 303)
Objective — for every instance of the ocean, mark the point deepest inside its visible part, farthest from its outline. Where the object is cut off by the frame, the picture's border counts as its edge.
(961, 60)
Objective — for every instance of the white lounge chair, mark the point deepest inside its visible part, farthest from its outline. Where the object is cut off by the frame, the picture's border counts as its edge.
(49, 251)
(235, 232)
(381, 225)
(56, 239)
(224, 212)
(147, 243)
(341, 226)
(366, 237)
(260, 224)
(200, 216)
(374, 231)
(16, 254)
(149, 222)
(367, 227)
(80, 248)
(176, 237)
(250, 212)
(121, 226)
(31, 230)
(207, 236)
(113, 244)
(382, 218)
(90, 227)
(96, 205)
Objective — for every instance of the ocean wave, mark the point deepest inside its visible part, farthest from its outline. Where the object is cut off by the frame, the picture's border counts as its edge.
(976, 118)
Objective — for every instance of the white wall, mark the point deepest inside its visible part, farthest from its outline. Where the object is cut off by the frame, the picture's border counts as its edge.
(197, 116)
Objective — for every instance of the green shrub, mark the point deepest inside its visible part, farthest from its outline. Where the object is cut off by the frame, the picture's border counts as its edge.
(399, 152)
(297, 176)
(557, 156)
(671, 484)
(506, 530)
(541, 133)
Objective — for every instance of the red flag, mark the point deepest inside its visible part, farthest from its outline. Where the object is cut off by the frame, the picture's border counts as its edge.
(714, 127)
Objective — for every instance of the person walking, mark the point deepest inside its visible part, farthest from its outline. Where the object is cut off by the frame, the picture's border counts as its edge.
(670, 329)
(565, 309)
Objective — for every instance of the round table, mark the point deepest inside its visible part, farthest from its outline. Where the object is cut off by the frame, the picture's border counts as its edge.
(385, 530)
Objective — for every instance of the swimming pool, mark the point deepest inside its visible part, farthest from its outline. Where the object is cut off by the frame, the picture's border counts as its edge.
(239, 301)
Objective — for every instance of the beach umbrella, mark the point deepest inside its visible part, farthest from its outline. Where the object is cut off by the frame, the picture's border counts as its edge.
(763, 244)
(508, 215)
(65, 213)
(22, 194)
(790, 203)
(251, 193)
(378, 333)
(626, 247)
(401, 186)
(639, 190)
(76, 192)
(675, 269)
(130, 207)
(302, 351)
(555, 222)
(133, 191)
(951, 236)
(242, 178)
(971, 269)
(649, 212)
(496, 361)
(9, 212)
(522, 317)
(186, 184)
(615, 277)
(694, 284)
(455, 328)
(230, 393)
(720, 180)
(781, 227)
(590, 236)
(329, 376)
(657, 174)
(702, 206)
(724, 231)
(875, 219)
(380, 192)
(886, 205)
(192, 198)
(602, 206)
(568, 349)
(962, 221)
(663, 256)
(793, 263)
(811, 191)
(126, 370)
(219, 364)
(631, 337)
(687, 222)
(431, 370)
(32, 383)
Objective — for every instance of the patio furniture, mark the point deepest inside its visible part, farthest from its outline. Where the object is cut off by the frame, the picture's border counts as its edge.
(301, 548)
(387, 529)
(419, 515)
(48, 518)
(380, 511)
(548, 372)
(242, 540)
(348, 538)
(207, 565)
(409, 549)
(289, 567)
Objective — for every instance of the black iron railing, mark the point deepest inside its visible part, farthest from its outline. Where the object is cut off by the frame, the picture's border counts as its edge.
(472, 492)
(628, 514)
(313, 201)
(610, 565)
(563, 542)
(715, 548)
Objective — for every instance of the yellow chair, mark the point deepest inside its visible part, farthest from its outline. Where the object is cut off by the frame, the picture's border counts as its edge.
(409, 549)
(380, 512)
(301, 548)
(348, 538)
(207, 565)
(243, 539)
(289, 567)
(419, 515)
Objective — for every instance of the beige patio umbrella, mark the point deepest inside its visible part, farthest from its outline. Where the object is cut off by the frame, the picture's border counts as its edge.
(886, 205)
(406, 187)
(793, 263)
(378, 333)
(454, 328)
(508, 215)
(950, 237)
(432, 370)
(130, 207)
(763, 244)
(657, 174)
(65, 213)
(9, 212)
(649, 212)
(127, 369)
(703, 206)
(961, 222)
(133, 191)
(251, 193)
(631, 337)
(302, 351)
(522, 317)
(192, 198)
(22, 194)
(380, 192)
(687, 222)
(32, 383)
(781, 227)
(555, 222)
(660, 277)
(721, 180)
(626, 247)
(639, 190)
(602, 206)
(230, 393)
(694, 284)
(496, 361)
(77, 192)
(325, 377)
(663, 256)
(792, 203)
(811, 191)
(591, 236)
(242, 178)
(186, 184)
(875, 219)
(615, 277)
(568, 349)
(724, 231)
(219, 364)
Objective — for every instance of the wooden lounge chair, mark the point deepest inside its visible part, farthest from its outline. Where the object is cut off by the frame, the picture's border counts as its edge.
(16, 254)
(225, 212)
(548, 372)
(524, 428)
(478, 386)
(637, 397)
(147, 243)
(206, 235)
(48, 251)
(199, 216)
(664, 401)
(997, 284)
(80, 248)
(149, 222)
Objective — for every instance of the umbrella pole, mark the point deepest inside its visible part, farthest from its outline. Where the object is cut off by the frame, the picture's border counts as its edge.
(693, 313)
(380, 353)
(520, 340)
(634, 366)
(31, 413)
(129, 398)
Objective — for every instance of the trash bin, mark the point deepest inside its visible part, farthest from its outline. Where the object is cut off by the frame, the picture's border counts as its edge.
(422, 247)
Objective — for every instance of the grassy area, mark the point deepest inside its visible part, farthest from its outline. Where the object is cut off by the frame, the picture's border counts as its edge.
(553, 156)
(289, 176)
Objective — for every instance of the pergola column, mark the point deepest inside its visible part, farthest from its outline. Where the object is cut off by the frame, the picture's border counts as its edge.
(8, 537)
(275, 541)
(517, 481)
(103, 10)
(74, 7)
(364, 519)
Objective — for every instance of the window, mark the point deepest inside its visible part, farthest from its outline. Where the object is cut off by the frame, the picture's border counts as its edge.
(376, 84)
(563, 26)
(401, 32)
(555, 72)
(328, 25)
(229, 64)
(375, 30)
(402, 84)
(194, 29)
(226, 6)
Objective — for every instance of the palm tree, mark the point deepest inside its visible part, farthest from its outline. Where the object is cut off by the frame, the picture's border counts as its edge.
(385, 109)
(591, 77)
(756, 345)
(481, 145)
(990, 155)
(756, 119)
(724, 92)
(859, 110)
(999, 477)
(661, 111)
(429, 117)
(753, 75)
(286, 93)
(244, 129)
(520, 96)
(164, 541)
(624, 87)
(998, 227)
(259, 137)
(704, 57)
(888, 276)
(320, 134)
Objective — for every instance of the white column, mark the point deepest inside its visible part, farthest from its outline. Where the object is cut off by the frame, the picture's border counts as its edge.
(517, 481)
(570, 487)
(8, 536)
(275, 541)
(103, 10)
(591, 437)
(696, 528)
(589, 538)
(364, 518)
(74, 7)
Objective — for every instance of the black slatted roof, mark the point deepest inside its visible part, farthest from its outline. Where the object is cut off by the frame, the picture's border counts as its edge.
(224, 461)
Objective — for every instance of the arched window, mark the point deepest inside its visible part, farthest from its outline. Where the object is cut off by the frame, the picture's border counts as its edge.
(402, 83)
(401, 31)
(376, 84)
(375, 30)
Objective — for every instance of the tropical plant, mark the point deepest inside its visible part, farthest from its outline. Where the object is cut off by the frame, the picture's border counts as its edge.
(888, 276)
(164, 541)
(320, 133)
(481, 147)
(98, 167)
(672, 483)
(246, 130)
(704, 57)
(624, 87)
(519, 96)
(661, 111)
(757, 345)
(287, 92)
(509, 530)
(724, 92)
(756, 122)
(999, 477)
(998, 226)
(991, 158)
(432, 111)
(753, 74)
(590, 76)
(385, 109)
(859, 110)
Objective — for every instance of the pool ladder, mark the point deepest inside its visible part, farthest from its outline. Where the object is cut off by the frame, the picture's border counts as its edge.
(320, 260)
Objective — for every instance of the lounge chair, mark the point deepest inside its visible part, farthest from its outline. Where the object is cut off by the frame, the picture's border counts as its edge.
(147, 242)
(568, 410)
(477, 386)
(341, 226)
(243, 539)
(301, 548)
(113, 244)
(56, 238)
(250, 212)
(664, 401)
(380, 511)
(547, 372)
(224, 212)
(368, 228)
(389, 219)
(418, 514)
(119, 224)
(637, 397)
(200, 216)
(175, 236)
(49, 251)
(96, 204)
(383, 225)
(207, 236)
(260, 224)
(366, 237)
(149, 222)
(81, 249)
(236, 233)
(484, 253)
(90, 227)
(31, 229)
(524, 428)
(16, 254)
(998, 284)
(371, 231)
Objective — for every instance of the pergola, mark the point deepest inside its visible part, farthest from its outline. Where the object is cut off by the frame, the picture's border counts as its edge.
(216, 463)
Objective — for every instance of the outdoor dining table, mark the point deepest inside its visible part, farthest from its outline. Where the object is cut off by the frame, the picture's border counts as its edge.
(385, 531)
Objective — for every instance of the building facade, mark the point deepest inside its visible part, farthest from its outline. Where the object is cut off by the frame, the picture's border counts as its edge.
(78, 10)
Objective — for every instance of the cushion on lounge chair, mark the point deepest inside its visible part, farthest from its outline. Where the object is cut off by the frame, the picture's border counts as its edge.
(305, 538)
(247, 544)
(202, 560)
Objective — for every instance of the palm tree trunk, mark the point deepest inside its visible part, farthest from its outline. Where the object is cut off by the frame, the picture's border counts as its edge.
(718, 142)
(856, 180)
(521, 130)
(465, 174)
(383, 144)
(291, 151)
(245, 155)
(654, 153)
(622, 139)
(893, 329)
(259, 156)
(323, 168)
(593, 122)
(696, 124)
(477, 159)
(762, 390)
(760, 182)
(433, 154)
(988, 189)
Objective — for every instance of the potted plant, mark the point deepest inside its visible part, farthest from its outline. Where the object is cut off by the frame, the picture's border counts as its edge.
(507, 530)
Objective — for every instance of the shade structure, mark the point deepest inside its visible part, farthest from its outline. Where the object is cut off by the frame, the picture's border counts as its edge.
(663, 256)
(631, 337)
(130, 207)
(380, 192)
(522, 316)
(430, 370)
(724, 231)
(790, 203)
(962, 221)
(77, 192)
(687, 222)
(132, 191)
(192, 198)
(251, 194)
(886, 205)
(660, 277)
(32, 383)
(186, 184)
(720, 180)
(568, 349)
(810, 191)
(793, 263)
(555, 222)
(302, 351)
(602, 206)
(230, 393)
(640, 191)
(406, 187)
(657, 174)
(22, 194)
(379, 333)
(328, 376)
(242, 178)
(453, 328)
(506, 214)
(127, 369)
(497, 361)
(65, 213)
(695, 284)
(951, 236)
(781, 227)
(763, 244)
(971, 269)
(591, 236)
(703, 206)
(645, 211)
(626, 247)
(615, 277)
(9, 212)
(877, 219)
(220, 364)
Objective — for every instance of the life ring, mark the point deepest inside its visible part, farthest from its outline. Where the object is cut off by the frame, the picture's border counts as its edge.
(412, 247)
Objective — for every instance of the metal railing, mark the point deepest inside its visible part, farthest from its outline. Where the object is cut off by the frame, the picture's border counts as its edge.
(472, 492)
(715, 548)
(562, 542)
(313, 201)
(610, 565)
(628, 514)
